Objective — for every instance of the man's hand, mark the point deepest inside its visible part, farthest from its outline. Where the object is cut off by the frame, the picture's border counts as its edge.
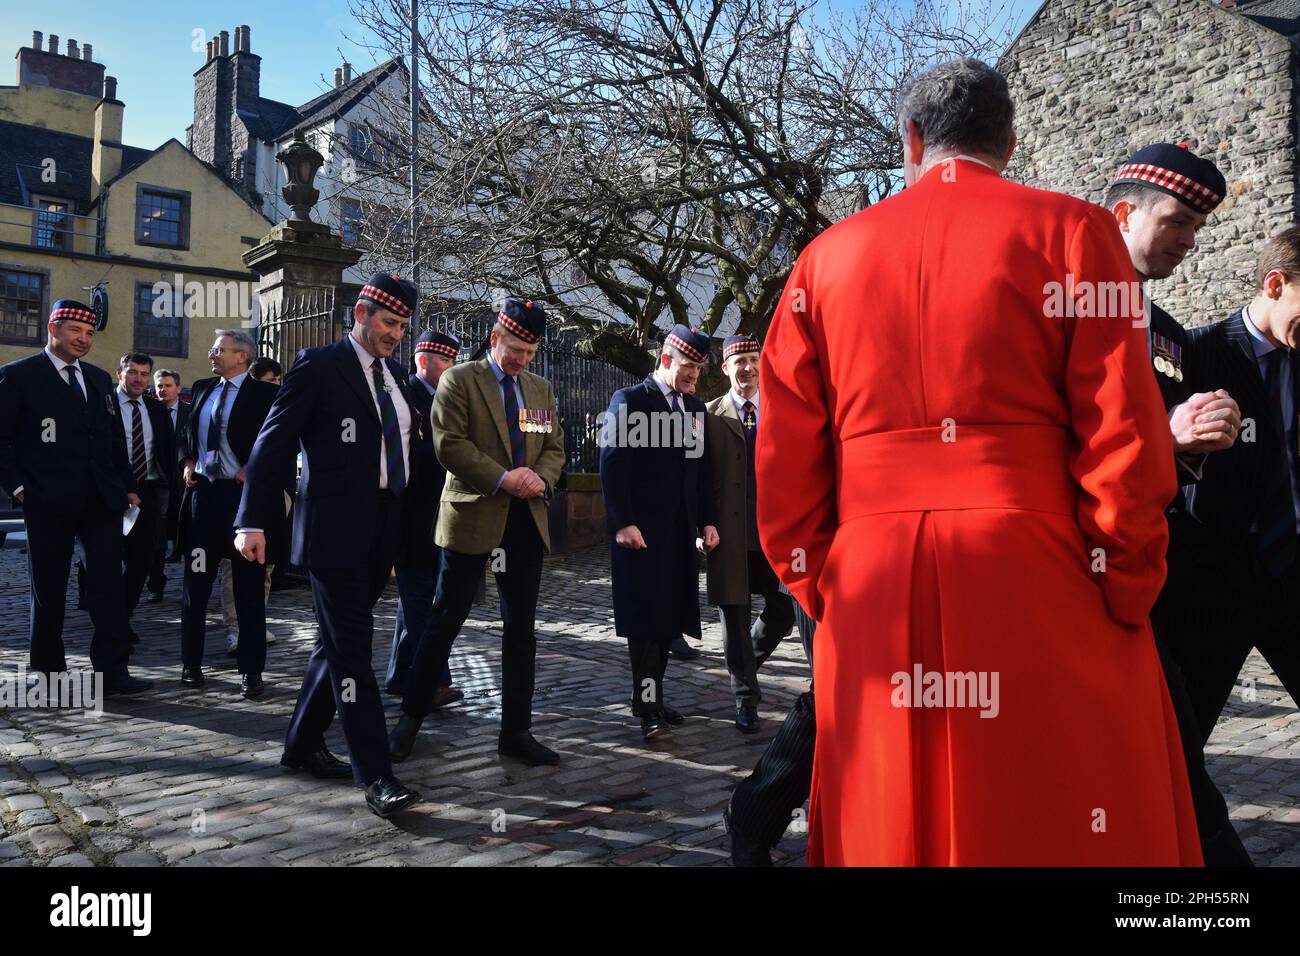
(629, 537)
(19, 497)
(711, 538)
(1206, 422)
(523, 483)
(252, 545)
(133, 499)
(187, 471)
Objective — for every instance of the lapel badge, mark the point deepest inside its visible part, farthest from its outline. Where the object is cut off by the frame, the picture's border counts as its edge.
(110, 403)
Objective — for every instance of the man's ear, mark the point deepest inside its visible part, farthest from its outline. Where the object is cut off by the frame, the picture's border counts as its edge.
(1121, 211)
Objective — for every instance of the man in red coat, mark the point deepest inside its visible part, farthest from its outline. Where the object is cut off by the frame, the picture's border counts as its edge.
(963, 480)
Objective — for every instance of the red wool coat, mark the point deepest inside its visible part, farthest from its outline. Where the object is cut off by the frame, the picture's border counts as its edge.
(940, 464)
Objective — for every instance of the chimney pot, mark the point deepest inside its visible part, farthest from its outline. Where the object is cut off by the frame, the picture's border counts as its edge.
(38, 39)
(85, 52)
(224, 42)
(110, 87)
(347, 72)
(54, 43)
(72, 49)
(248, 38)
(338, 77)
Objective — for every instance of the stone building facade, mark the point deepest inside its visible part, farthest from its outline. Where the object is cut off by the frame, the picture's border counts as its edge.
(1095, 80)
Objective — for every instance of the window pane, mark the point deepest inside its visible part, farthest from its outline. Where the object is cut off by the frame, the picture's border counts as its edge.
(20, 306)
(161, 218)
(51, 224)
(162, 334)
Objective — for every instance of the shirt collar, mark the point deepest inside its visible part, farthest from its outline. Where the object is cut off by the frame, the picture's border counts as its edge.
(740, 402)
(59, 363)
(235, 382)
(1261, 345)
(124, 399)
(427, 387)
(496, 369)
(666, 389)
(364, 357)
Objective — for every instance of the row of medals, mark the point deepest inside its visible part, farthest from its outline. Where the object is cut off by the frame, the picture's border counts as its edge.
(1165, 366)
(535, 421)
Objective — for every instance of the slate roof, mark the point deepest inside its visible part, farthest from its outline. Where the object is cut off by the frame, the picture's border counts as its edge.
(23, 151)
(1282, 16)
(276, 120)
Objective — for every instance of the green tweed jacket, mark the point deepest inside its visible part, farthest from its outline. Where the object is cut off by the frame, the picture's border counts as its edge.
(470, 437)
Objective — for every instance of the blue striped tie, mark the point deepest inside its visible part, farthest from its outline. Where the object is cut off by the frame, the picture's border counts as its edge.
(1277, 520)
(512, 422)
(392, 432)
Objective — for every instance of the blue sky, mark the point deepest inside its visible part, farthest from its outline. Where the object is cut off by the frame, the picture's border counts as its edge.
(152, 49)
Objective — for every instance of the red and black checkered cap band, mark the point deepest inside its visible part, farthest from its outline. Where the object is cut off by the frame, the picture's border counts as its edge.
(380, 297)
(438, 348)
(1184, 187)
(690, 351)
(516, 328)
(750, 345)
(66, 312)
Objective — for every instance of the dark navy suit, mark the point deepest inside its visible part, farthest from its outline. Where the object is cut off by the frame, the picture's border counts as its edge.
(207, 528)
(667, 493)
(160, 488)
(418, 556)
(345, 533)
(1240, 603)
(58, 446)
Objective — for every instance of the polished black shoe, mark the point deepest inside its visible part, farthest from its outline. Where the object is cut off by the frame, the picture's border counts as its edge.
(653, 725)
(124, 685)
(250, 685)
(387, 795)
(155, 597)
(525, 746)
(193, 677)
(321, 764)
(681, 650)
(747, 718)
(672, 716)
(402, 740)
(744, 851)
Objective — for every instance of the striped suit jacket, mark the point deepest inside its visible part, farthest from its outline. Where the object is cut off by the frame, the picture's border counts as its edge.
(1225, 503)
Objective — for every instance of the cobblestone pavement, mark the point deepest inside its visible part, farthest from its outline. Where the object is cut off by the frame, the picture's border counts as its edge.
(191, 777)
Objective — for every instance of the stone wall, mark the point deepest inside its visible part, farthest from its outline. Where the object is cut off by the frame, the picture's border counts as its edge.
(1095, 80)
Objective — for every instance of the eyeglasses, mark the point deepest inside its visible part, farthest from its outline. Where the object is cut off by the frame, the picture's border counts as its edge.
(215, 351)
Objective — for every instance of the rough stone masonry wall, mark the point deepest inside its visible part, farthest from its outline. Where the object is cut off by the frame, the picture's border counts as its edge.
(1095, 80)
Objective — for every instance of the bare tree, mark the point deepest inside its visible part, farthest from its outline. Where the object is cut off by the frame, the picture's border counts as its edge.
(633, 163)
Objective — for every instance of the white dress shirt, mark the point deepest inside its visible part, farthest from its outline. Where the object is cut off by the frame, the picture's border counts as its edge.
(399, 405)
(128, 425)
(740, 401)
(229, 463)
(60, 365)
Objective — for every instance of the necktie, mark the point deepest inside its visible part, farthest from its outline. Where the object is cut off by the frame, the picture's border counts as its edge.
(214, 433)
(392, 431)
(748, 418)
(672, 401)
(1277, 534)
(72, 380)
(139, 466)
(512, 423)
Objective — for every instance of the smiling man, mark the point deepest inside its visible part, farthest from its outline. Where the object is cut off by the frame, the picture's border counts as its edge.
(62, 464)
(348, 407)
(738, 568)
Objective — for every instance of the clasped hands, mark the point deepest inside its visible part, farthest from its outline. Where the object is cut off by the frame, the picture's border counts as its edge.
(523, 483)
(1206, 422)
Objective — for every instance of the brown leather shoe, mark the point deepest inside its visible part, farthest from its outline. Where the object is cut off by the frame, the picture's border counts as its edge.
(444, 696)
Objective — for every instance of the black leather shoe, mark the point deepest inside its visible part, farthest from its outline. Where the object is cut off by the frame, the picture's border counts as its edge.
(525, 746)
(155, 597)
(747, 718)
(681, 650)
(402, 740)
(387, 795)
(193, 677)
(250, 685)
(322, 764)
(124, 685)
(653, 725)
(672, 716)
(744, 851)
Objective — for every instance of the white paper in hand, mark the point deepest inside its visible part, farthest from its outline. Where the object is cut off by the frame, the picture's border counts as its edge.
(128, 519)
